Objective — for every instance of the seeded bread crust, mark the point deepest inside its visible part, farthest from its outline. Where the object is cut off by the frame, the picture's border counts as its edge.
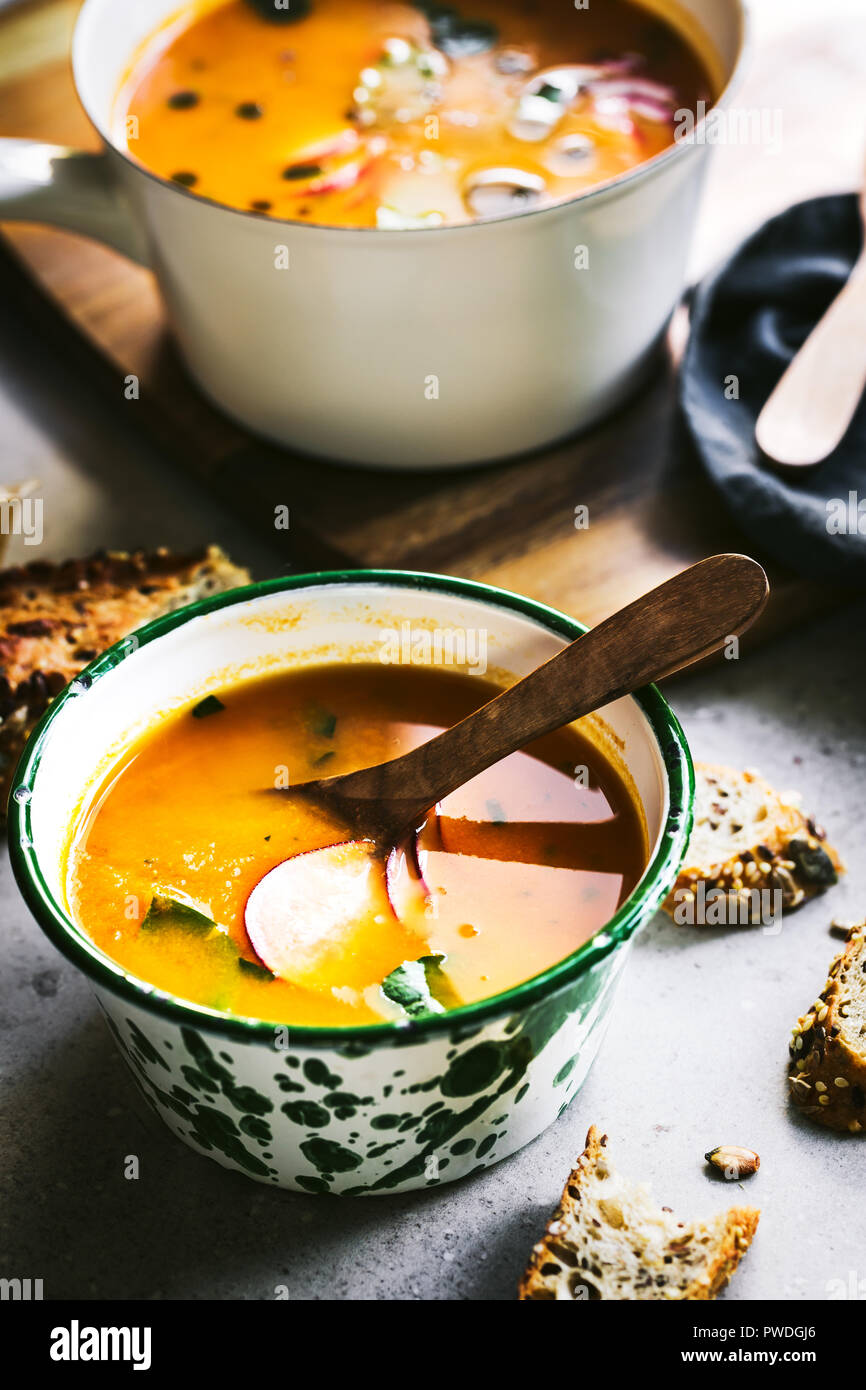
(746, 836)
(607, 1240)
(827, 1075)
(56, 618)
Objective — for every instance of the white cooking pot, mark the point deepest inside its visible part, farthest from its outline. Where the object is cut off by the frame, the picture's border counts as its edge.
(404, 349)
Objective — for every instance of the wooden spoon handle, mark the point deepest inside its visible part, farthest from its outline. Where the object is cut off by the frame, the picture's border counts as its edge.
(681, 621)
(813, 402)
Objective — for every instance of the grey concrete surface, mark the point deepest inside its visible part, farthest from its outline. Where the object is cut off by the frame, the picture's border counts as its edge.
(695, 1055)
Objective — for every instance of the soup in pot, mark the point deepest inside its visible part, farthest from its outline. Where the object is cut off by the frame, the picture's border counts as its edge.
(366, 113)
(517, 869)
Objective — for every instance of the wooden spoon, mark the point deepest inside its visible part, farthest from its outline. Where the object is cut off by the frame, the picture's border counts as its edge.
(309, 907)
(814, 400)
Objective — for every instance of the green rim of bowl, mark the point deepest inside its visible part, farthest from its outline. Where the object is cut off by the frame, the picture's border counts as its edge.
(74, 943)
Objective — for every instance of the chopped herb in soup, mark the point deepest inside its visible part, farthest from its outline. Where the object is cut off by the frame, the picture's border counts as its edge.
(366, 113)
(188, 831)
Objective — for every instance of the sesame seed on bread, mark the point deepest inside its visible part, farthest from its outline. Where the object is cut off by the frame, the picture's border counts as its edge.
(748, 837)
(608, 1240)
(827, 1075)
(55, 618)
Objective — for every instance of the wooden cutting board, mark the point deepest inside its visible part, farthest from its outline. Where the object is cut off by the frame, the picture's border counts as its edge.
(651, 512)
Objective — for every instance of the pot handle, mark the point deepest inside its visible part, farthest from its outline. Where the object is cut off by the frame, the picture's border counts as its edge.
(68, 188)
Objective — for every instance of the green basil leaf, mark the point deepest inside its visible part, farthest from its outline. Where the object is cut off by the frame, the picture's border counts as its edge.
(252, 967)
(321, 722)
(421, 987)
(209, 705)
(167, 913)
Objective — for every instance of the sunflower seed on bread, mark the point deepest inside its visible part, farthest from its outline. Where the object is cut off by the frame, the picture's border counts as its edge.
(608, 1240)
(827, 1075)
(748, 838)
(56, 618)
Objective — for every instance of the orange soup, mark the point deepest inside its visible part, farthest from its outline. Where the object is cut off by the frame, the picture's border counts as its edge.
(366, 113)
(520, 866)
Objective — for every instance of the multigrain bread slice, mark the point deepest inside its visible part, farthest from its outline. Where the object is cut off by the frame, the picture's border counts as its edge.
(56, 618)
(747, 838)
(608, 1240)
(827, 1075)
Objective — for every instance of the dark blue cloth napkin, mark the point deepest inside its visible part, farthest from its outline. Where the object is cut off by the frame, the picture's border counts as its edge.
(747, 322)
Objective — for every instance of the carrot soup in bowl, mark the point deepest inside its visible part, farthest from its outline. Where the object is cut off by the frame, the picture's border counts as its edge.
(154, 805)
(370, 113)
(402, 235)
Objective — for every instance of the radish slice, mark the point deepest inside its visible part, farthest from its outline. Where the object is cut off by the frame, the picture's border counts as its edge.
(309, 909)
(491, 192)
(407, 888)
(636, 89)
(573, 154)
(344, 177)
(344, 142)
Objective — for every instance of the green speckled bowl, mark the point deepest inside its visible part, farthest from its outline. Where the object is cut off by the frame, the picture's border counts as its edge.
(376, 1108)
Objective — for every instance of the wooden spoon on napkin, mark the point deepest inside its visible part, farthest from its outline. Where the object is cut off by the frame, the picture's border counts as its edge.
(814, 401)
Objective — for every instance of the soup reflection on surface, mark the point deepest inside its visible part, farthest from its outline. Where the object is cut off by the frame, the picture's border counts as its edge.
(522, 865)
(365, 113)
